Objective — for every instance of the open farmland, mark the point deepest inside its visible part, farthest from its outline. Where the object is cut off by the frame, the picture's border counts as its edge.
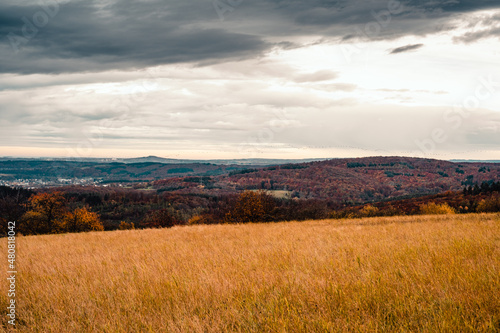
(403, 274)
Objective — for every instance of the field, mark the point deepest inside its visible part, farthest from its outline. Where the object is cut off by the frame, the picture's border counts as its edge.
(399, 274)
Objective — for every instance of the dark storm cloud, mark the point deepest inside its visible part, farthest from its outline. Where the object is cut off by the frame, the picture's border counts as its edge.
(396, 18)
(459, 5)
(406, 48)
(80, 36)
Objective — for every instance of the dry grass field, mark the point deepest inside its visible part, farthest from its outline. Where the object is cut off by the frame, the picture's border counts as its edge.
(399, 274)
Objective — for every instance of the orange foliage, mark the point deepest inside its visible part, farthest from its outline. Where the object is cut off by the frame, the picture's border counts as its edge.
(46, 214)
(432, 208)
(126, 225)
(491, 204)
(82, 220)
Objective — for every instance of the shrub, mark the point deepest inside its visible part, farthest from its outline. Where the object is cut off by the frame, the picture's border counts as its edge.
(369, 211)
(126, 225)
(346, 213)
(251, 207)
(392, 211)
(432, 208)
(489, 205)
(161, 218)
(197, 219)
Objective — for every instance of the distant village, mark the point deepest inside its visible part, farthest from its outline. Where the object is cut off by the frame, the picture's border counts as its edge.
(41, 182)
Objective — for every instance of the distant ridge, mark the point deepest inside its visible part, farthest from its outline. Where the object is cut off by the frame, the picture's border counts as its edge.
(475, 161)
(235, 161)
(163, 160)
(243, 161)
(348, 180)
(367, 179)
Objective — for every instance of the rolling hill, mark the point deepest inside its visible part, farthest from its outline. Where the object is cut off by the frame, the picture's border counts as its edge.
(346, 180)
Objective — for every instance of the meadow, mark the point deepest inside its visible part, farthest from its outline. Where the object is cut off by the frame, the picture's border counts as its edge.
(384, 274)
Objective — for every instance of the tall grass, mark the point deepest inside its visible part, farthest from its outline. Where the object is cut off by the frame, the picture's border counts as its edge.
(399, 274)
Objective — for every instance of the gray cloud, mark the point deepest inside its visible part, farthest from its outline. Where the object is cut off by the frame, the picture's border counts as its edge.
(92, 36)
(489, 26)
(84, 36)
(406, 48)
(475, 36)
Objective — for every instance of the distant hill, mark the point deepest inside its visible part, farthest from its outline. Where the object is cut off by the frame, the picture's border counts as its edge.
(355, 180)
(352, 180)
(476, 161)
(106, 171)
(248, 161)
(123, 170)
(156, 159)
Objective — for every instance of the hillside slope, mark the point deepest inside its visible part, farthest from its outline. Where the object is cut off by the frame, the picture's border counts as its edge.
(347, 180)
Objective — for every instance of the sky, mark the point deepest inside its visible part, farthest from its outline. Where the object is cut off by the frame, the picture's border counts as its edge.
(250, 79)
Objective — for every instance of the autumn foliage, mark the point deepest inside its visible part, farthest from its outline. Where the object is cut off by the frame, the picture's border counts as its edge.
(252, 207)
(432, 208)
(162, 218)
(48, 213)
(82, 220)
(76, 209)
(126, 226)
(490, 204)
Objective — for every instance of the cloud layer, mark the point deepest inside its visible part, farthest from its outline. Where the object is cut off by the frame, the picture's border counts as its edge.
(82, 36)
(317, 78)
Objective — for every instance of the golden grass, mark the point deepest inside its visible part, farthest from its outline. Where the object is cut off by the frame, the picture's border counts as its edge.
(399, 274)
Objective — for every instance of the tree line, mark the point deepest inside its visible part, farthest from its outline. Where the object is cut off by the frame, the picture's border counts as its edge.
(95, 209)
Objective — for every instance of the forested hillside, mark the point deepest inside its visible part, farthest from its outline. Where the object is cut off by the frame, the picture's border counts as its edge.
(346, 180)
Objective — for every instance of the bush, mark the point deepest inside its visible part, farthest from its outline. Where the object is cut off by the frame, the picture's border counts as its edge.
(369, 211)
(432, 208)
(197, 219)
(126, 225)
(161, 218)
(346, 213)
(251, 207)
(489, 205)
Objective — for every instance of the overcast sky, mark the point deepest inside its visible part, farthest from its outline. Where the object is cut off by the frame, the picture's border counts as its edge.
(250, 79)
